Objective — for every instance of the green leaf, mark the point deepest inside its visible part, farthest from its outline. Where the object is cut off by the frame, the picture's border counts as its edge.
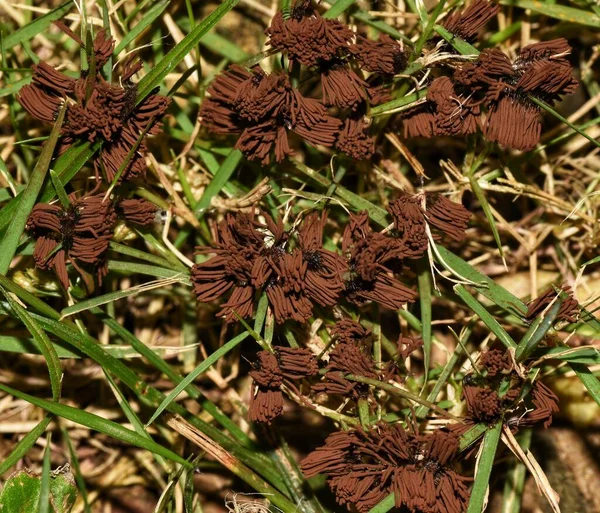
(338, 8)
(560, 12)
(137, 424)
(22, 492)
(428, 28)
(10, 241)
(493, 325)
(582, 355)
(515, 477)
(484, 285)
(221, 177)
(224, 47)
(203, 367)
(458, 44)
(484, 468)
(146, 21)
(537, 331)
(130, 268)
(478, 191)
(393, 105)
(97, 423)
(44, 500)
(425, 299)
(178, 53)
(88, 304)
(42, 342)
(588, 379)
(23, 446)
(36, 26)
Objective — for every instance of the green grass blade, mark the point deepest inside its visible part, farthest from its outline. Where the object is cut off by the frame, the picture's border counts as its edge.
(168, 371)
(26, 443)
(588, 379)
(81, 486)
(149, 395)
(60, 190)
(129, 268)
(485, 286)
(146, 21)
(43, 344)
(88, 304)
(425, 299)
(543, 105)
(393, 105)
(36, 26)
(515, 477)
(224, 47)
(560, 12)
(44, 502)
(479, 194)
(203, 367)
(428, 28)
(96, 423)
(178, 53)
(219, 180)
(338, 8)
(134, 420)
(536, 333)
(66, 166)
(10, 241)
(493, 325)
(9, 344)
(484, 469)
(458, 44)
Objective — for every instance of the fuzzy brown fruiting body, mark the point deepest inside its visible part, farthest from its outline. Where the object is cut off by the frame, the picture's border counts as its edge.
(98, 111)
(364, 467)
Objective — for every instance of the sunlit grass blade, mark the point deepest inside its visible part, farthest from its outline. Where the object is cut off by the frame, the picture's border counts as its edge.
(43, 344)
(486, 286)
(484, 468)
(10, 344)
(10, 241)
(560, 12)
(221, 177)
(146, 21)
(589, 380)
(537, 331)
(493, 325)
(395, 105)
(129, 268)
(338, 8)
(203, 367)
(36, 26)
(81, 486)
(425, 302)
(174, 376)
(44, 501)
(458, 44)
(133, 419)
(170, 61)
(230, 462)
(27, 442)
(88, 304)
(478, 191)
(515, 477)
(96, 423)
